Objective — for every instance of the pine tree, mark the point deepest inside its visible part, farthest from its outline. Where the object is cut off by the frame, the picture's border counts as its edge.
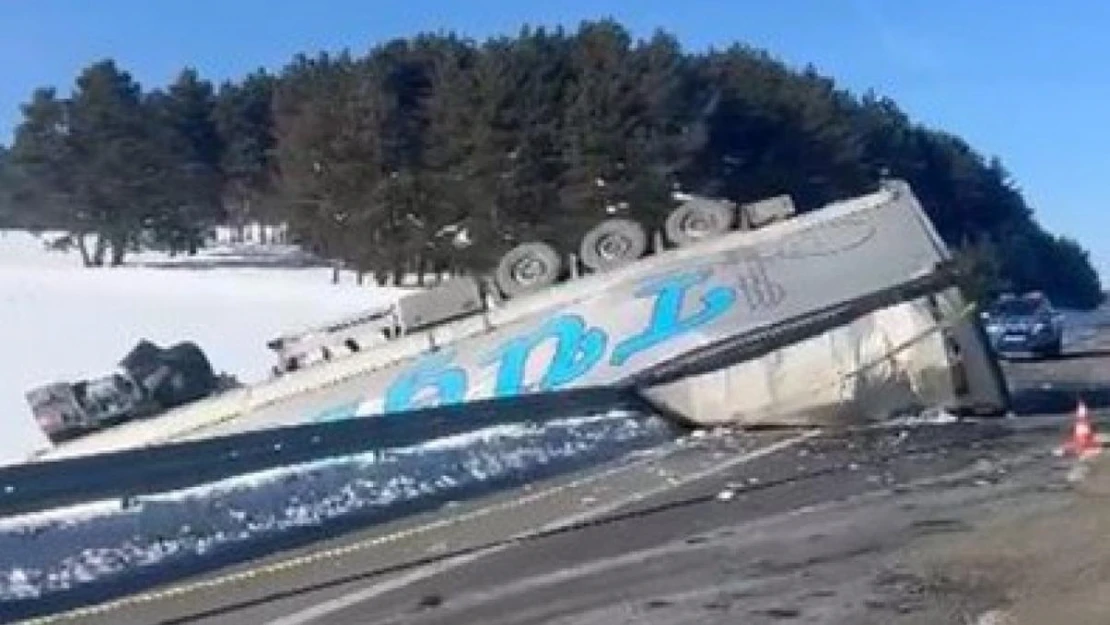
(329, 115)
(187, 133)
(122, 170)
(459, 191)
(244, 120)
(7, 189)
(598, 117)
(525, 147)
(44, 163)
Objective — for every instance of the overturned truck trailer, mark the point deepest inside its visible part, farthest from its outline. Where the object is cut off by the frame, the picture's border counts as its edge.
(848, 313)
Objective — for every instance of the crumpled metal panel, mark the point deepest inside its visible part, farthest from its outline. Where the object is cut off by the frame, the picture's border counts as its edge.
(880, 365)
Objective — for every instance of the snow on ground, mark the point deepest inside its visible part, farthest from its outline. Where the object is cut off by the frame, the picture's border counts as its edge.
(45, 553)
(61, 321)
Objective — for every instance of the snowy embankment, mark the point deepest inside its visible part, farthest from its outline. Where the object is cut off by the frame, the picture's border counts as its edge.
(108, 542)
(61, 321)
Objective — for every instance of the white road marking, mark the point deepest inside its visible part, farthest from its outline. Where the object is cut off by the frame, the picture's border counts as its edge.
(354, 598)
(342, 602)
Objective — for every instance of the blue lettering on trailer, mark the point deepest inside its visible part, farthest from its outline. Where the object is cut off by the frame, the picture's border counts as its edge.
(435, 379)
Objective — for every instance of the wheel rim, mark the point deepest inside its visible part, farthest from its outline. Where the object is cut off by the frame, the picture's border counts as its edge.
(699, 224)
(613, 246)
(528, 270)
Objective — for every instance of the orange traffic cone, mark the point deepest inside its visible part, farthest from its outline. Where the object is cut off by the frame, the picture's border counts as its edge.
(1083, 441)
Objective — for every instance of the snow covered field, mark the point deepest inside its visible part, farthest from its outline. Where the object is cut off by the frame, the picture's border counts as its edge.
(61, 321)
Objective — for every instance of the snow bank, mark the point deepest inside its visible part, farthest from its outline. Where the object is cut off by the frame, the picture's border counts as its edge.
(59, 320)
(50, 552)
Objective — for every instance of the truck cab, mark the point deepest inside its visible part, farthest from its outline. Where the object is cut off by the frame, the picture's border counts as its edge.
(64, 410)
(148, 381)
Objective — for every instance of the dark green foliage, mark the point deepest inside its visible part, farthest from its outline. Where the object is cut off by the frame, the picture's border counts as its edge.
(39, 165)
(7, 188)
(185, 123)
(381, 160)
(244, 122)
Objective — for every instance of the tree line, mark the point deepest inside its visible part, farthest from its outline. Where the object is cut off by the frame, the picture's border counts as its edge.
(438, 152)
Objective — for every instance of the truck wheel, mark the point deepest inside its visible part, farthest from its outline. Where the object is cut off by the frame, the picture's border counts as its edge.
(190, 357)
(189, 376)
(142, 359)
(697, 220)
(527, 268)
(613, 243)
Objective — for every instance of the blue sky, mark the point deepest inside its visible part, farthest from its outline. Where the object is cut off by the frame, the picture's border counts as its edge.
(1028, 81)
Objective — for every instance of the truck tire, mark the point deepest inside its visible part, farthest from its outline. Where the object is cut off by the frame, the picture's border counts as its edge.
(190, 354)
(613, 243)
(698, 220)
(143, 359)
(189, 377)
(527, 268)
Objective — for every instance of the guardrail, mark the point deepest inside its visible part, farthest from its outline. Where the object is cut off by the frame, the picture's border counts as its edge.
(48, 484)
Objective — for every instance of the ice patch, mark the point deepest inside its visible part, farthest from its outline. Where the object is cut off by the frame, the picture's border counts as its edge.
(931, 416)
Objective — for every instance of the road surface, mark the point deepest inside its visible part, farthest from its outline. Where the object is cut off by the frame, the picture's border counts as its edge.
(776, 527)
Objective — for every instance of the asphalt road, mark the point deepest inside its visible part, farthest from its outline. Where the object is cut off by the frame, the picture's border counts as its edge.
(777, 527)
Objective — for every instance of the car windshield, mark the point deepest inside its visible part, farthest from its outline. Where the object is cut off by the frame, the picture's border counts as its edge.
(1015, 308)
